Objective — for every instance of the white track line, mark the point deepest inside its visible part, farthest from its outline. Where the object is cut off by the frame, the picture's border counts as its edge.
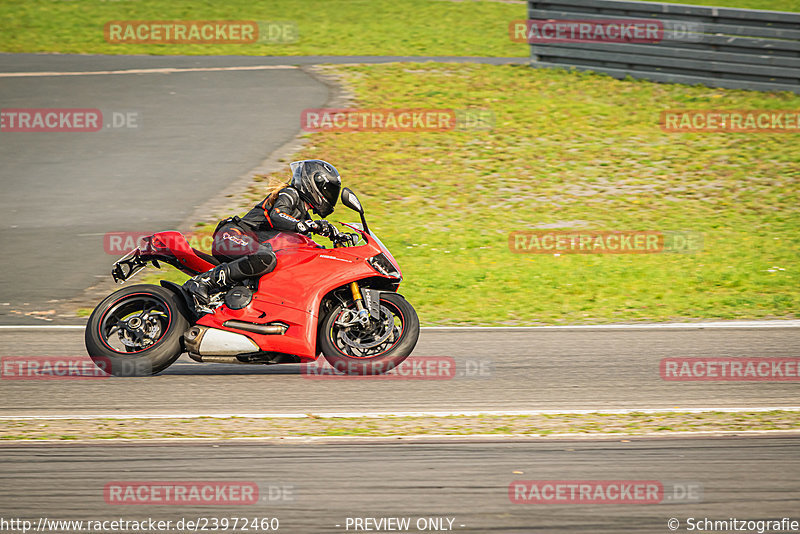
(165, 70)
(781, 323)
(378, 415)
(420, 438)
(43, 327)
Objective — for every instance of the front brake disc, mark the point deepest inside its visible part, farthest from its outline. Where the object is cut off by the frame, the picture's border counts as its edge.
(387, 324)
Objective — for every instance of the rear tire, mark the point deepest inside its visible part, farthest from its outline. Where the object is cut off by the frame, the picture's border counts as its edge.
(345, 358)
(136, 331)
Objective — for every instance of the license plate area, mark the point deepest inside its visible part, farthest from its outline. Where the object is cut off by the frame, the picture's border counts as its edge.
(127, 266)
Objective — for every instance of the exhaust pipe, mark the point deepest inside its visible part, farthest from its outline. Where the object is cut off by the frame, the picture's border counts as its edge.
(274, 329)
(213, 342)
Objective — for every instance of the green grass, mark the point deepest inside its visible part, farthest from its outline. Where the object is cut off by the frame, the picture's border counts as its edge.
(568, 149)
(576, 151)
(572, 150)
(247, 427)
(326, 27)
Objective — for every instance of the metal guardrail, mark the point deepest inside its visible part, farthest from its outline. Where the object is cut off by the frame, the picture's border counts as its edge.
(713, 46)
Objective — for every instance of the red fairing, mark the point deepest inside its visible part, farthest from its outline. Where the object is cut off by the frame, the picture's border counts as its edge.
(382, 248)
(292, 293)
(171, 244)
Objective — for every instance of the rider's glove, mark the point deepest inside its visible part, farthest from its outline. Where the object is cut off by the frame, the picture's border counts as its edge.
(305, 227)
(321, 227)
(326, 229)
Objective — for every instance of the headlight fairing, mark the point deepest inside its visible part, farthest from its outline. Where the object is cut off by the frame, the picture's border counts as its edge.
(384, 266)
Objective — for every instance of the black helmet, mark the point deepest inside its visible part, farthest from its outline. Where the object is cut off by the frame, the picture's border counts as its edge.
(318, 183)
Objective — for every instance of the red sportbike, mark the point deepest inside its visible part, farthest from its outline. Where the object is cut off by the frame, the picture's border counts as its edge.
(341, 302)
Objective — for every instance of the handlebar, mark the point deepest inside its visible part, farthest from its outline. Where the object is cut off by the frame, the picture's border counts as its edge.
(341, 239)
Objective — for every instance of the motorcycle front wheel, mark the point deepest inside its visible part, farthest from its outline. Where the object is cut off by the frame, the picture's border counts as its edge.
(373, 349)
(136, 331)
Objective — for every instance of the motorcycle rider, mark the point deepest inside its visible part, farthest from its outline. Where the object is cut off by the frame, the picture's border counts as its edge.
(240, 243)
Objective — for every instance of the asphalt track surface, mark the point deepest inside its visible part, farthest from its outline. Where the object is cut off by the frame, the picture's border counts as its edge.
(88, 62)
(199, 131)
(196, 133)
(745, 478)
(500, 370)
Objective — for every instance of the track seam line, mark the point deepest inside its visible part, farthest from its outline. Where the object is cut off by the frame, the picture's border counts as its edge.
(788, 323)
(380, 415)
(162, 70)
(413, 437)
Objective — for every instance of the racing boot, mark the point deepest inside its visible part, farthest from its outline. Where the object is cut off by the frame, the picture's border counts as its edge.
(205, 284)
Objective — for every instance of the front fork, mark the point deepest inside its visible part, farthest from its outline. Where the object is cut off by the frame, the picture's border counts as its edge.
(359, 317)
(362, 316)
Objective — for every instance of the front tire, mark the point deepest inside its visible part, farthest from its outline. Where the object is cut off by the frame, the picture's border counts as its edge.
(376, 349)
(136, 331)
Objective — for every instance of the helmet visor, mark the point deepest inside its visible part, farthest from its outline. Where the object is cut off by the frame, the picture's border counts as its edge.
(319, 184)
(326, 193)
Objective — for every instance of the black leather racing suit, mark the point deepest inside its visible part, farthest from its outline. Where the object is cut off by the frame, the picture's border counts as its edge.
(241, 242)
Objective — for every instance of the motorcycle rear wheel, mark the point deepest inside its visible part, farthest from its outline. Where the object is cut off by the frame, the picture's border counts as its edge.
(136, 331)
(376, 349)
